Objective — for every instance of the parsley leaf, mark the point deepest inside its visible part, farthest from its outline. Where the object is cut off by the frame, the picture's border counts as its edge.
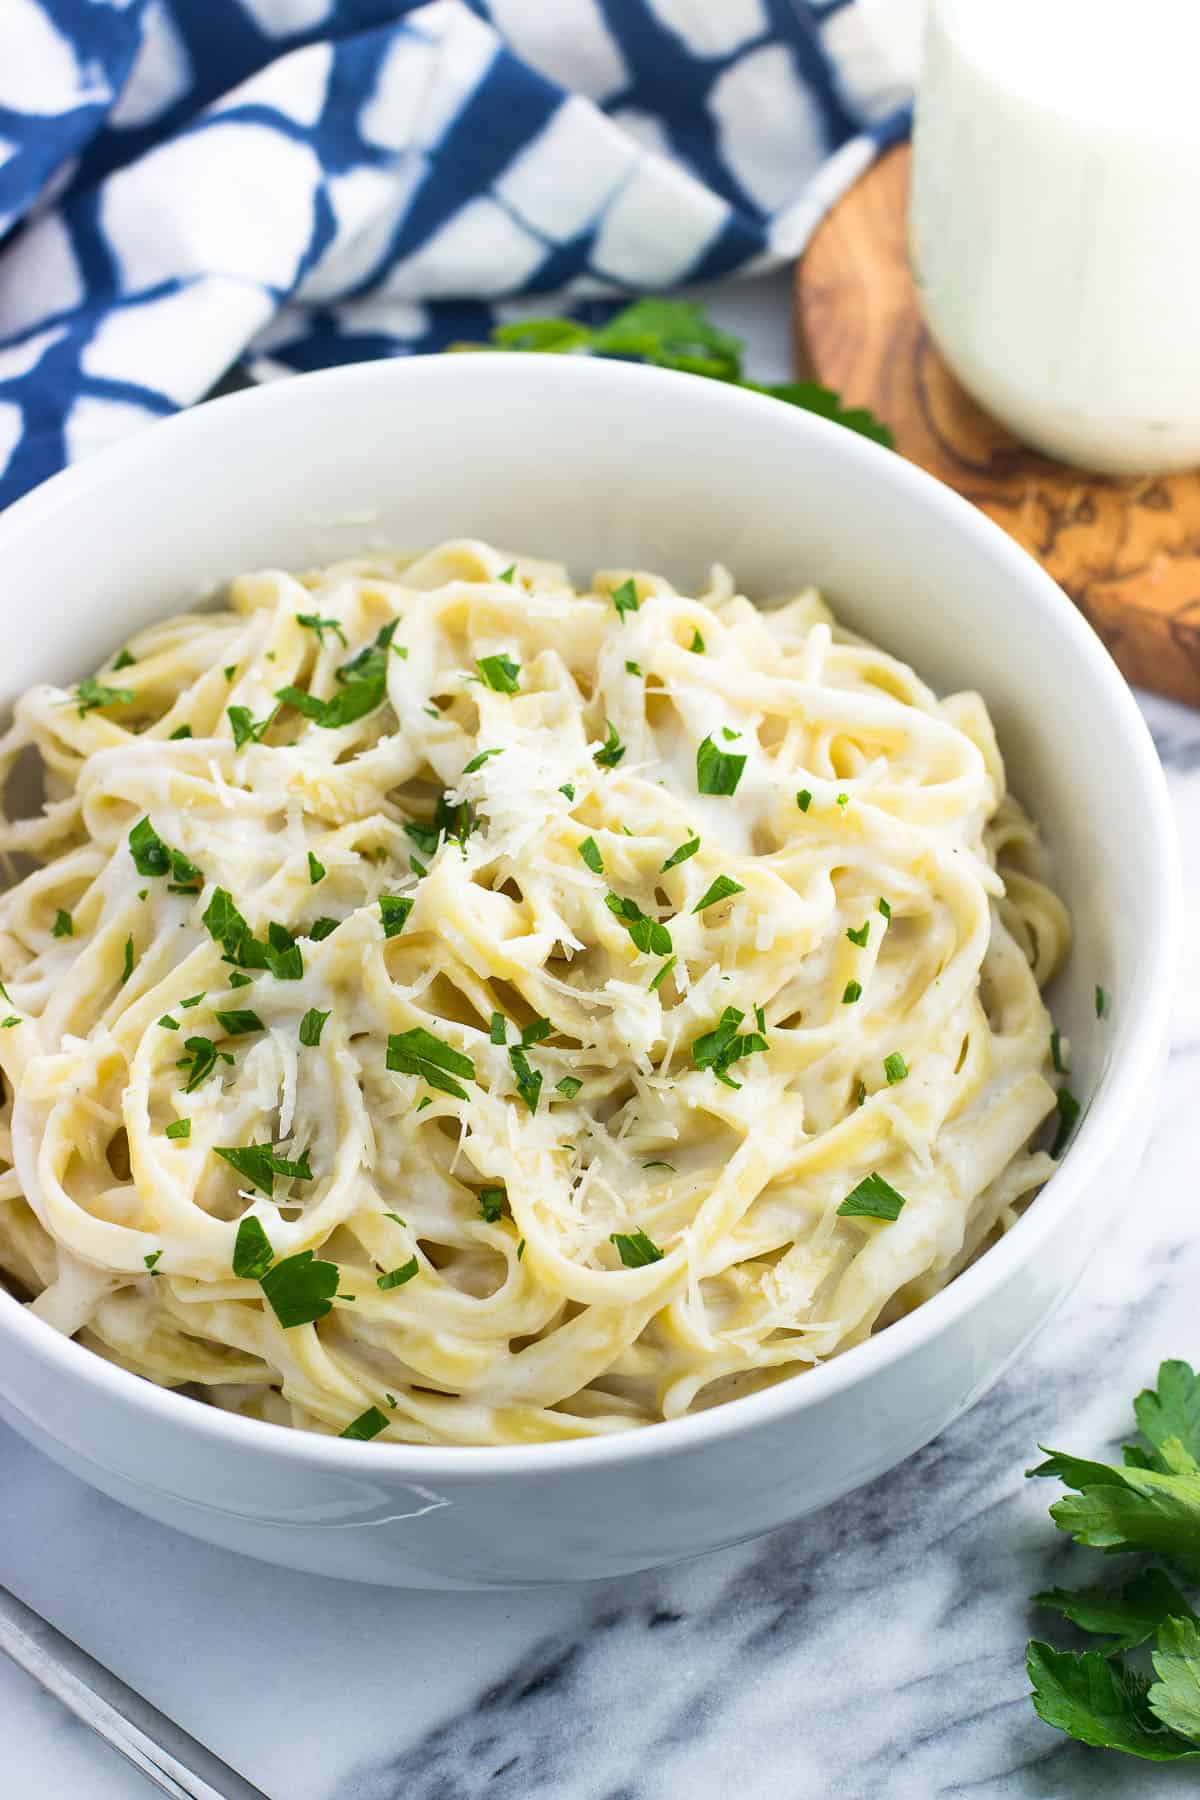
(64, 925)
(1100, 1703)
(507, 574)
(1175, 1697)
(300, 1289)
(316, 870)
(851, 992)
(477, 762)
(247, 729)
(499, 1028)
(625, 597)
(179, 1129)
(201, 1061)
(686, 849)
(612, 749)
(804, 799)
(127, 967)
(720, 1048)
(895, 1068)
(311, 622)
(397, 1277)
(394, 910)
(368, 1425)
(124, 659)
(228, 928)
(311, 1027)
(320, 929)
(529, 1081)
(873, 1198)
(860, 936)
(635, 1249)
(252, 1252)
(590, 852)
(649, 935)
(536, 1032)
(1170, 1410)
(91, 695)
(721, 889)
(152, 857)
(717, 771)
(697, 644)
(499, 673)
(260, 1165)
(239, 1022)
(363, 686)
(658, 979)
(418, 1052)
(493, 1204)
(1068, 1115)
(568, 1087)
(283, 954)
(1126, 1618)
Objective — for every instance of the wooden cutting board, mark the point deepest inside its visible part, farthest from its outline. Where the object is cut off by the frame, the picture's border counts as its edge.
(1126, 551)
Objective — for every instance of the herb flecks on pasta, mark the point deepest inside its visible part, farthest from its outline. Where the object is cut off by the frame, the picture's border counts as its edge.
(420, 1029)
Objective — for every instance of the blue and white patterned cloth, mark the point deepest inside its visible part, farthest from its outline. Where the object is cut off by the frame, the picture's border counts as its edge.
(184, 183)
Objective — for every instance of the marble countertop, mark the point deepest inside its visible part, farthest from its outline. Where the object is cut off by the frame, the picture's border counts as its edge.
(874, 1650)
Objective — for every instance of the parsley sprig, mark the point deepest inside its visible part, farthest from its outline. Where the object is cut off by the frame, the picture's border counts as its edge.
(724, 1045)
(300, 1289)
(675, 334)
(1150, 1503)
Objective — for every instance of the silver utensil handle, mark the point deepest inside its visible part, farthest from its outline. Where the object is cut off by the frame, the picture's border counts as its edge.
(165, 1753)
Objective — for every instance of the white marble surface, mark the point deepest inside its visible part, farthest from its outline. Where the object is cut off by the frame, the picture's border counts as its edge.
(874, 1652)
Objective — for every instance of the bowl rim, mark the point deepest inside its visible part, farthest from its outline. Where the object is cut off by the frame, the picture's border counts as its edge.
(1099, 1134)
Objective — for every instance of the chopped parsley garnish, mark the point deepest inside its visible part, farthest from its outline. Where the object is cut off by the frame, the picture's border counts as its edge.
(63, 926)
(860, 1097)
(843, 800)
(1056, 1058)
(201, 1061)
(686, 849)
(720, 1048)
(658, 979)
(612, 749)
(124, 659)
(660, 1165)
(283, 953)
(493, 1204)
(529, 1081)
(246, 728)
(499, 673)
(499, 1028)
(1101, 1001)
(397, 1277)
(300, 1289)
(721, 889)
(649, 935)
(127, 969)
(239, 1022)
(12, 1019)
(568, 790)
(507, 574)
(804, 799)
(397, 1218)
(885, 909)
(152, 857)
(226, 925)
(860, 936)
(635, 1249)
(569, 1086)
(252, 1252)
(729, 735)
(368, 1425)
(873, 1198)
(425, 837)
(697, 644)
(717, 771)
(168, 1023)
(851, 992)
(230, 671)
(362, 686)
(477, 762)
(311, 1027)
(91, 695)
(394, 910)
(418, 1052)
(181, 731)
(192, 1000)
(152, 1259)
(536, 1032)
(311, 622)
(632, 668)
(1068, 1116)
(625, 597)
(589, 850)
(895, 1068)
(237, 979)
(321, 928)
(520, 1249)
(316, 870)
(180, 1129)
(260, 1165)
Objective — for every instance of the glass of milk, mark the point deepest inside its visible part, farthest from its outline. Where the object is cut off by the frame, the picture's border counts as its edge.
(1055, 220)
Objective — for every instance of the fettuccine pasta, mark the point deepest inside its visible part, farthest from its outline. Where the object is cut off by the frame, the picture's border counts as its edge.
(444, 1006)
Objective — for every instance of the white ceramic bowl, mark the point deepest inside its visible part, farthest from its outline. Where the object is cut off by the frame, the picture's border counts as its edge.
(605, 463)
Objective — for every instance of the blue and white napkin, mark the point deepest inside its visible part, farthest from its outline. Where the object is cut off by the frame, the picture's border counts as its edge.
(184, 183)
